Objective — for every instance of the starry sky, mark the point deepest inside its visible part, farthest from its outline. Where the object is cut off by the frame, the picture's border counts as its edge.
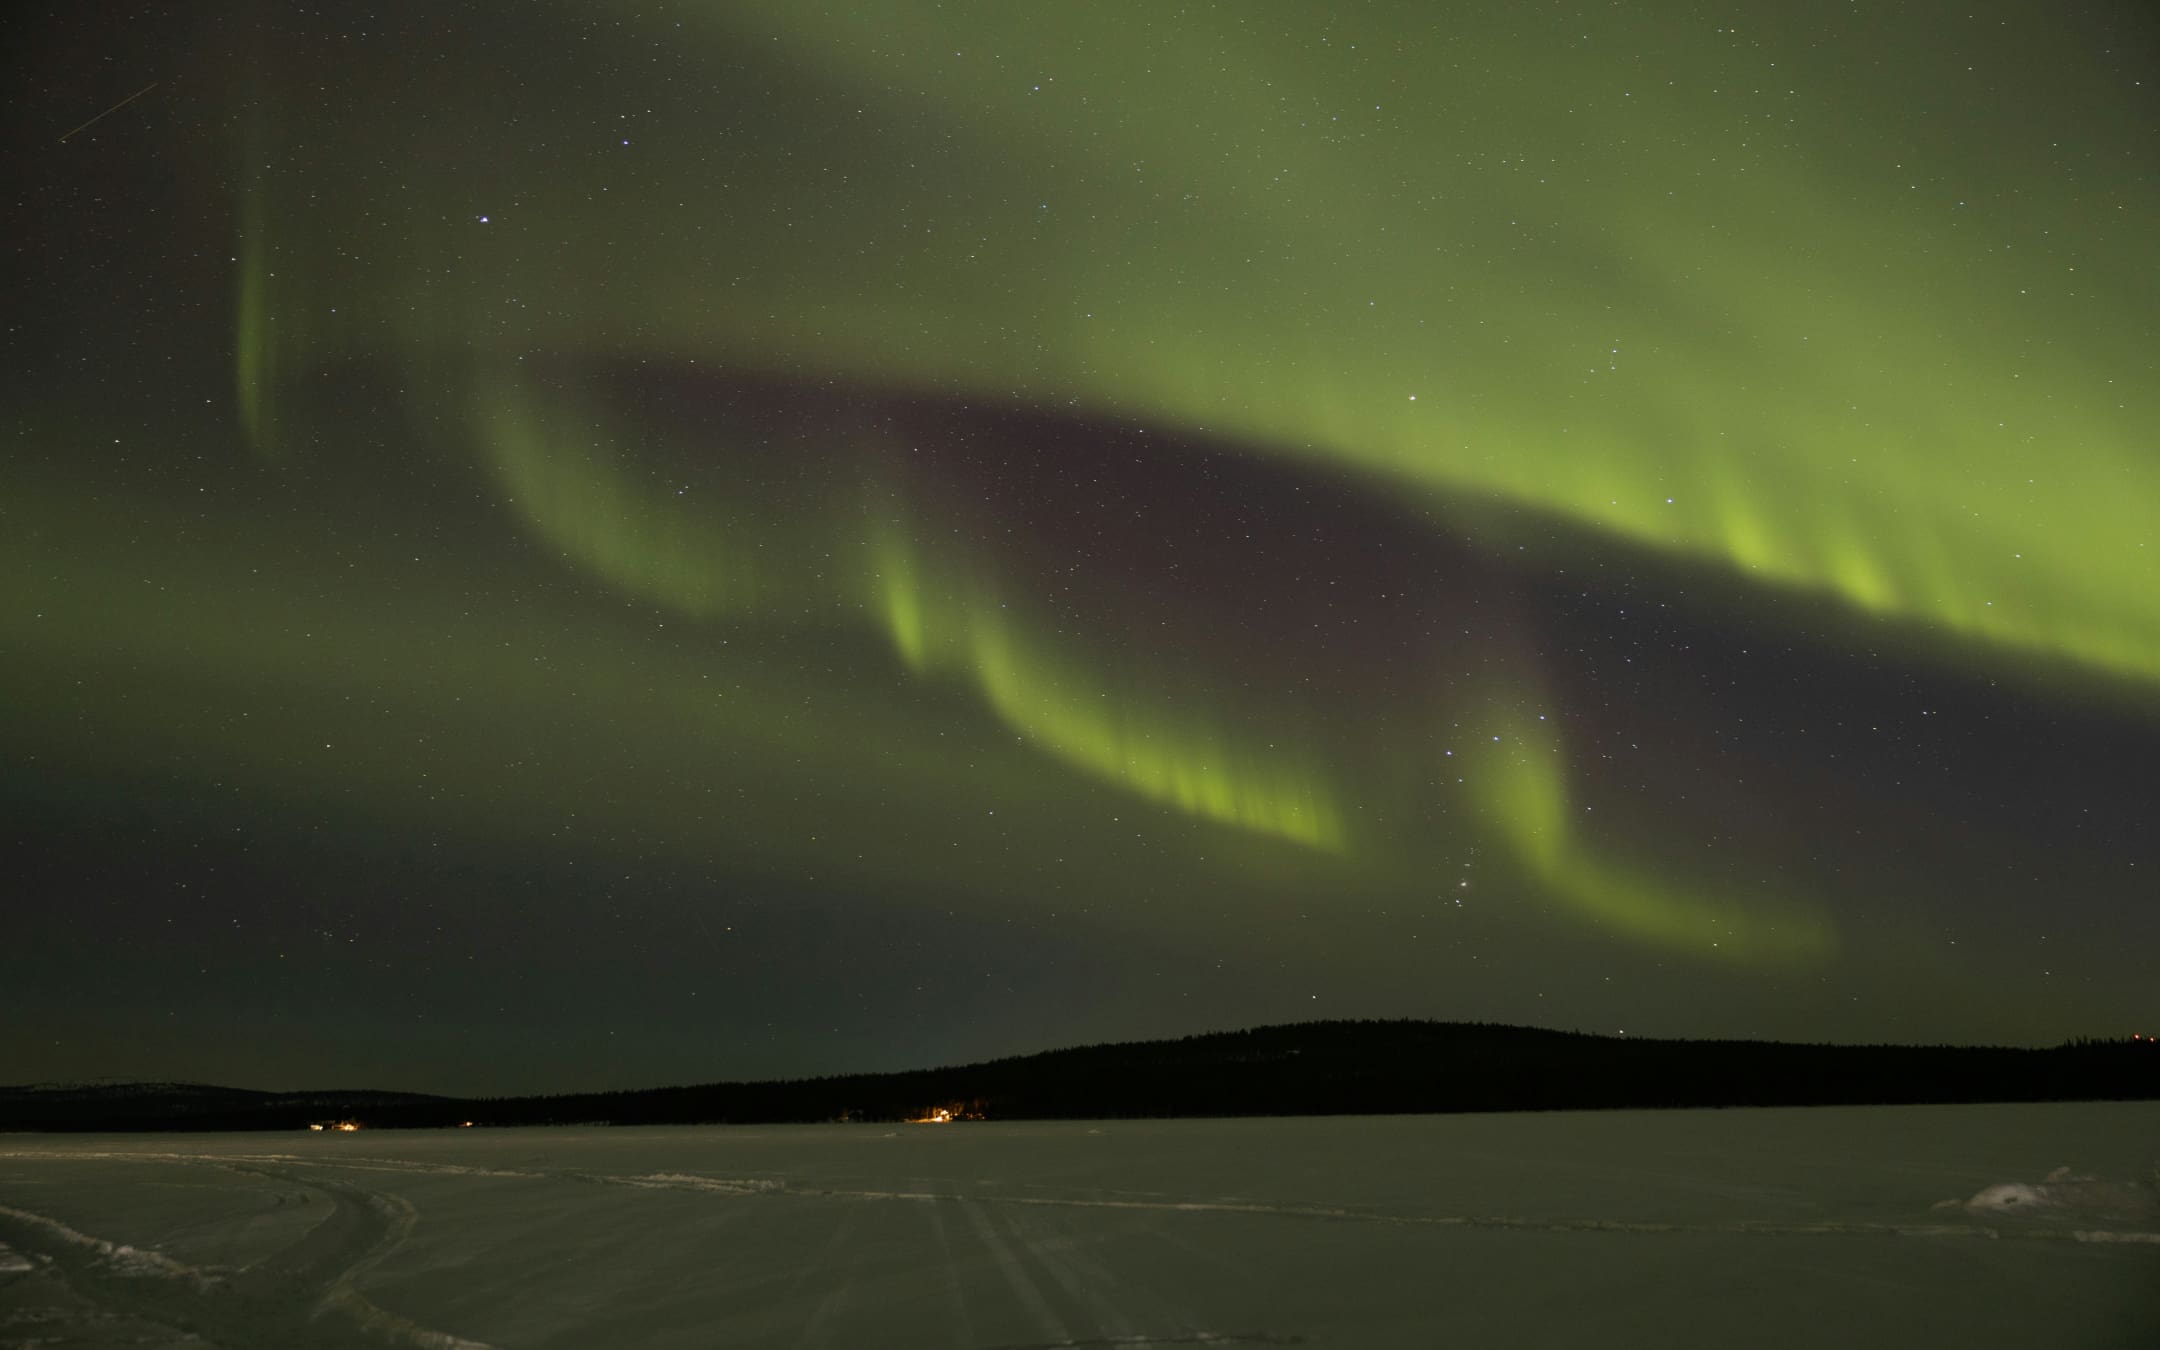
(565, 545)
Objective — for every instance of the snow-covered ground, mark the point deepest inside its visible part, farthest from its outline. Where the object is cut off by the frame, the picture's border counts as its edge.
(1895, 1227)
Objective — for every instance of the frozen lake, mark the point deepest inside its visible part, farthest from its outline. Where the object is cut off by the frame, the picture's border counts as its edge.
(1892, 1227)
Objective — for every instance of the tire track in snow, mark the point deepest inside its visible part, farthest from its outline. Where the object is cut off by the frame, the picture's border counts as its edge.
(955, 1298)
(1113, 1303)
(304, 1295)
(1026, 1290)
(775, 1187)
(812, 1332)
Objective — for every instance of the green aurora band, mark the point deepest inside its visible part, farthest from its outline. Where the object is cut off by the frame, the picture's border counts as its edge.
(557, 464)
(1699, 301)
(556, 459)
(1741, 298)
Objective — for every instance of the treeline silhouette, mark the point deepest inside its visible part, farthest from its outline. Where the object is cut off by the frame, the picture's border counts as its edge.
(1312, 1068)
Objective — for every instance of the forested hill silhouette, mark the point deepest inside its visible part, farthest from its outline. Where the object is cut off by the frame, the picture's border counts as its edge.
(1310, 1068)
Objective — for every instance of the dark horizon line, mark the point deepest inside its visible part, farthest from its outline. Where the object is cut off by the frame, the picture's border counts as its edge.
(118, 1084)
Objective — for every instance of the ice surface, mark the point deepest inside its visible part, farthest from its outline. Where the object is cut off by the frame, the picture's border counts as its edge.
(1848, 1227)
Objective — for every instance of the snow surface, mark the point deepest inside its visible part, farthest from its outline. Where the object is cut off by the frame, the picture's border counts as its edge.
(1973, 1226)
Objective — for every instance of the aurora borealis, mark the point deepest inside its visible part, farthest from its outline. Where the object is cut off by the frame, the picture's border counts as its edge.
(573, 545)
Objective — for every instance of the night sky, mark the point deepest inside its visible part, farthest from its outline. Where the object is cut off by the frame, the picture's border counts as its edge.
(564, 545)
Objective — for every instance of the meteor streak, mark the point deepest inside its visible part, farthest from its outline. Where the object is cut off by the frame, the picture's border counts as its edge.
(113, 109)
